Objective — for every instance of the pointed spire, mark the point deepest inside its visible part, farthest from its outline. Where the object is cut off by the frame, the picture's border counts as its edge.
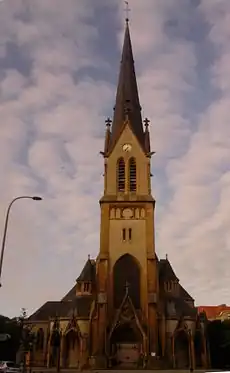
(127, 98)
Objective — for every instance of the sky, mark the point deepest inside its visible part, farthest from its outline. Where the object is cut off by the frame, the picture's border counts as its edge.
(59, 64)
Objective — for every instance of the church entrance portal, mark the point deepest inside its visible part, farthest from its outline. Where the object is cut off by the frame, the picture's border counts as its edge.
(71, 349)
(126, 346)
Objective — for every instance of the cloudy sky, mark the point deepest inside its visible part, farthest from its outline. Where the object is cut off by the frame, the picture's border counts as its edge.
(59, 62)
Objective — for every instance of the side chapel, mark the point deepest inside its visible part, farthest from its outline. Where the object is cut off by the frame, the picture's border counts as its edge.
(127, 308)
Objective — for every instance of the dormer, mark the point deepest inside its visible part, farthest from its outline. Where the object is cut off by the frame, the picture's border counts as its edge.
(86, 280)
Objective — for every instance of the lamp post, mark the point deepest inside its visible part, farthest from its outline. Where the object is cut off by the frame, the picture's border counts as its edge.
(35, 198)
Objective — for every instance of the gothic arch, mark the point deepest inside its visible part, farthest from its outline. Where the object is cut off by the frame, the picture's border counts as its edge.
(132, 175)
(126, 333)
(121, 175)
(55, 341)
(126, 271)
(40, 339)
(71, 350)
(181, 349)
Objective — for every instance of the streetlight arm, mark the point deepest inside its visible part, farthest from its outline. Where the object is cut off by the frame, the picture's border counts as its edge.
(6, 226)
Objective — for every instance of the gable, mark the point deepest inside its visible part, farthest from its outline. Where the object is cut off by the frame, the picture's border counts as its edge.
(127, 136)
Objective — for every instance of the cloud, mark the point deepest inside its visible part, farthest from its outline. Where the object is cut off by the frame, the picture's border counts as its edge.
(57, 85)
(46, 125)
(191, 138)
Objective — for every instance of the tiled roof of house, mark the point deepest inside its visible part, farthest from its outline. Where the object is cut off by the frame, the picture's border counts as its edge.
(212, 312)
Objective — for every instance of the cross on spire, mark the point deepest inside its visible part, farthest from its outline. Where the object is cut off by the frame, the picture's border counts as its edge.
(127, 10)
(146, 122)
(108, 122)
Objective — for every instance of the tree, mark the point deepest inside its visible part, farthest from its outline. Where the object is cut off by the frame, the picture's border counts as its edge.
(9, 348)
(27, 338)
(219, 342)
(21, 337)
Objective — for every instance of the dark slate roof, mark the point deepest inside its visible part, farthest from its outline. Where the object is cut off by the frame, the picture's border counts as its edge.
(166, 273)
(84, 304)
(81, 305)
(50, 309)
(127, 98)
(88, 273)
(71, 295)
(184, 294)
(181, 307)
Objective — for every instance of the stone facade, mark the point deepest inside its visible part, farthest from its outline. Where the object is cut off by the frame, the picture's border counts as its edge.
(127, 308)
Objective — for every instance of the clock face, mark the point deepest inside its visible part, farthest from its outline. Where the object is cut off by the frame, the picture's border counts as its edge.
(127, 147)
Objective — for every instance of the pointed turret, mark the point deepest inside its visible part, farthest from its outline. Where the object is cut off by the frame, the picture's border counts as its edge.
(127, 98)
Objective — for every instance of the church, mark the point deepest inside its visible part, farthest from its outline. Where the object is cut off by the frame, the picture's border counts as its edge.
(127, 308)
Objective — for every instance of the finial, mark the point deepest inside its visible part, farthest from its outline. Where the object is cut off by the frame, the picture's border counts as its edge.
(88, 256)
(108, 122)
(146, 122)
(127, 10)
(166, 256)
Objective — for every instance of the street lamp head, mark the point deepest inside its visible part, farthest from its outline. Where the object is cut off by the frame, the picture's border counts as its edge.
(36, 198)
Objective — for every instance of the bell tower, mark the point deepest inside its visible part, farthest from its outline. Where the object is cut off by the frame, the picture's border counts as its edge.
(127, 248)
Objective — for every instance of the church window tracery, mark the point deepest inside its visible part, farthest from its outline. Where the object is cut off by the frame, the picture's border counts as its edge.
(123, 234)
(130, 234)
(86, 287)
(132, 175)
(121, 175)
(126, 234)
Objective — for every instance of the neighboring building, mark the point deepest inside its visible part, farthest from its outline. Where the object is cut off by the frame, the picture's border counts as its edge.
(221, 312)
(127, 307)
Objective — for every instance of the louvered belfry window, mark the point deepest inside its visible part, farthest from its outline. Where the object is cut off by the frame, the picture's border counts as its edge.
(132, 175)
(121, 175)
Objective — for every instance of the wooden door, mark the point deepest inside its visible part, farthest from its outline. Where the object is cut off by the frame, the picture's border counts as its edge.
(128, 354)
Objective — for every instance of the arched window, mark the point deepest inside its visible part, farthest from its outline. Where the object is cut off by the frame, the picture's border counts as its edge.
(126, 272)
(40, 339)
(121, 175)
(132, 175)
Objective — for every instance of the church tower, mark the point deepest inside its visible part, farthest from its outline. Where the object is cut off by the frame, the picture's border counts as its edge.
(127, 263)
(127, 308)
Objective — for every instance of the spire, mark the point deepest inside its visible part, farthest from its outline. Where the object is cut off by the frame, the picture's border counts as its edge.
(127, 98)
